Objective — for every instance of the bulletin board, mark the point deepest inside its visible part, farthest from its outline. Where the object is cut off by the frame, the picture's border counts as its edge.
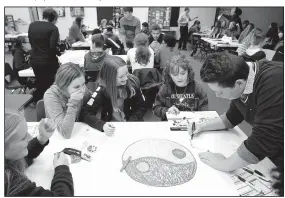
(160, 15)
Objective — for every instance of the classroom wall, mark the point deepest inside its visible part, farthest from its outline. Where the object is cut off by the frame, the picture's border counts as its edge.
(22, 13)
(64, 23)
(263, 17)
(205, 15)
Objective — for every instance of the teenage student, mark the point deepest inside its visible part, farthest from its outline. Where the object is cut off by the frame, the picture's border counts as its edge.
(180, 92)
(21, 149)
(64, 99)
(118, 96)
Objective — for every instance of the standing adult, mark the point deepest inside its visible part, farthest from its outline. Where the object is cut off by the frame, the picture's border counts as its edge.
(44, 37)
(130, 26)
(183, 20)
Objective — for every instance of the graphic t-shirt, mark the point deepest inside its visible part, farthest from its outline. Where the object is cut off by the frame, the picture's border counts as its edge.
(184, 98)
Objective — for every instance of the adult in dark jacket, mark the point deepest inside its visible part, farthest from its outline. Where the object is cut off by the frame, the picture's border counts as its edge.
(44, 37)
(21, 149)
(118, 97)
(271, 36)
(257, 94)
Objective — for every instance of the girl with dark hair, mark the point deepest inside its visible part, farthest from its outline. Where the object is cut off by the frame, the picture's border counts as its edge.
(64, 99)
(118, 96)
(271, 37)
(44, 38)
(141, 56)
(75, 33)
(21, 149)
(180, 92)
(216, 30)
(195, 28)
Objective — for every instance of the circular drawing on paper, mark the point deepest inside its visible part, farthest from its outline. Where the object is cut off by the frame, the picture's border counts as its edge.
(159, 162)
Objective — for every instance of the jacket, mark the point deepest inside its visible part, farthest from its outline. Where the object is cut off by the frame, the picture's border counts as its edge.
(110, 44)
(148, 77)
(134, 108)
(193, 99)
(93, 61)
(62, 182)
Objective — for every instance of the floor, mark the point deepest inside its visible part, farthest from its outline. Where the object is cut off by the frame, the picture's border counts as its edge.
(215, 104)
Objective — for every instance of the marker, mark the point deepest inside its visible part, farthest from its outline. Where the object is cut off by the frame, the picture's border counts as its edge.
(249, 184)
(258, 174)
(126, 163)
(193, 129)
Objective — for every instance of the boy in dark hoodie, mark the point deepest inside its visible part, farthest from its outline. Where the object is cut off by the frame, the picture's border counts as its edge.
(112, 41)
(94, 59)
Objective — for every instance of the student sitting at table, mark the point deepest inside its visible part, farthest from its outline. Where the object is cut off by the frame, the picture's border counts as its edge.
(245, 32)
(165, 53)
(254, 52)
(245, 24)
(155, 38)
(271, 37)
(96, 31)
(180, 92)
(21, 149)
(256, 91)
(118, 96)
(141, 56)
(75, 33)
(233, 31)
(216, 30)
(145, 28)
(64, 99)
(195, 28)
(103, 25)
(112, 41)
(9, 29)
(280, 45)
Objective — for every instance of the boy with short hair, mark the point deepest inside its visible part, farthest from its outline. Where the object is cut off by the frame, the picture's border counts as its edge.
(130, 25)
(155, 38)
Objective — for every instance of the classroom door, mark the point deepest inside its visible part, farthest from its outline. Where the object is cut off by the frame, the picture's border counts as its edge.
(104, 13)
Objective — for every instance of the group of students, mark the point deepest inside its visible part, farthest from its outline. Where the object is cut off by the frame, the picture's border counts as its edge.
(255, 88)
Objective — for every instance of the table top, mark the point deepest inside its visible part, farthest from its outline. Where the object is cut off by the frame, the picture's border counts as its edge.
(17, 101)
(102, 176)
(13, 36)
(221, 43)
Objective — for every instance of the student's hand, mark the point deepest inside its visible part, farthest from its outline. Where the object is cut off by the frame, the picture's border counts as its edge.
(77, 95)
(173, 110)
(215, 160)
(109, 129)
(46, 130)
(60, 159)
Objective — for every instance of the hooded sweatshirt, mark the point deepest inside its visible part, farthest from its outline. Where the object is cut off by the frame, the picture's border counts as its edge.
(93, 61)
(64, 111)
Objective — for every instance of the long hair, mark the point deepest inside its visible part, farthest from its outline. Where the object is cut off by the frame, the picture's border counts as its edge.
(15, 179)
(19, 41)
(66, 73)
(176, 62)
(245, 32)
(142, 52)
(108, 79)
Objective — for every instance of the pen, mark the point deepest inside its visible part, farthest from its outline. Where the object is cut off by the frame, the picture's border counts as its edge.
(249, 184)
(193, 129)
(258, 174)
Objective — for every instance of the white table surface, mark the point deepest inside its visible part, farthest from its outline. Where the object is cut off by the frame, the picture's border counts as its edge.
(220, 43)
(269, 54)
(13, 36)
(75, 56)
(102, 176)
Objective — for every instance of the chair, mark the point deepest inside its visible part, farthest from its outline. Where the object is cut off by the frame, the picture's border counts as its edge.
(205, 49)
(13, 84)
(40, 108)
